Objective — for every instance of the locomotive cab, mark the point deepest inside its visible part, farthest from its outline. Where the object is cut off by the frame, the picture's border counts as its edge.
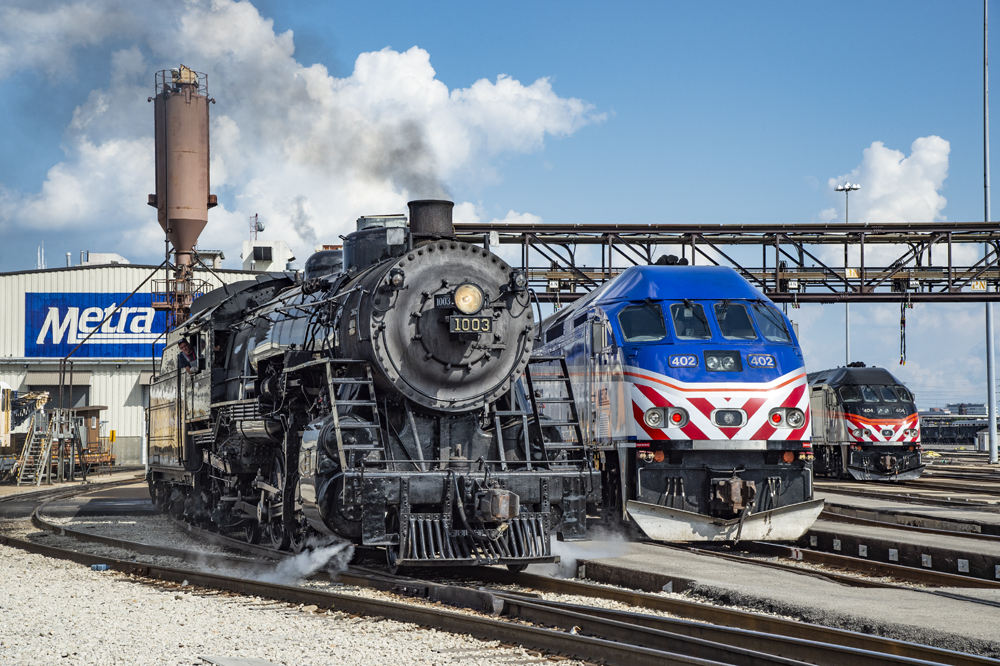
(712, 436)
(865, 425)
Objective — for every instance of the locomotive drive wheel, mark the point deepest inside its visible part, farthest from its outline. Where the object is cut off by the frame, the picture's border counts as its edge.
(252, 532)
(516, 568)
(277, 535)
(297, 538)
(393, 553)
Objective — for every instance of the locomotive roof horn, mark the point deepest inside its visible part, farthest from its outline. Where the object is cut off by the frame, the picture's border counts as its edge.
(430, 219)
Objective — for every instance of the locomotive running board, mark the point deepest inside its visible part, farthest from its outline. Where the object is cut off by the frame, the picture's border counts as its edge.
(787, 523)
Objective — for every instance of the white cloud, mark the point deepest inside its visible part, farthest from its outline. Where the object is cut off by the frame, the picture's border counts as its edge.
(308, 151)
(897, 188)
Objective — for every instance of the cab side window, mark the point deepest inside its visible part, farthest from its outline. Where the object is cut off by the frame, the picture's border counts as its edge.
(771, 323)
(642, 323)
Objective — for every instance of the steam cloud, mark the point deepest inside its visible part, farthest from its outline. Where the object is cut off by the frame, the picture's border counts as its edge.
(308, 151)
(333, 557)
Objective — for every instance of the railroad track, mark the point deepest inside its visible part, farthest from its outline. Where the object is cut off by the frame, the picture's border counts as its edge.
(896, 494)
(580, 631)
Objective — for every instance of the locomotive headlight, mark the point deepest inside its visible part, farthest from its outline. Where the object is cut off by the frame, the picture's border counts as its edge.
(723, 361)
(519, 279)
(795, 418)
(653, 418)
(469, 298)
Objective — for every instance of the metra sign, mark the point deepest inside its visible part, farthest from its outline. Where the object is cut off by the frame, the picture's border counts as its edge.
(56, 323)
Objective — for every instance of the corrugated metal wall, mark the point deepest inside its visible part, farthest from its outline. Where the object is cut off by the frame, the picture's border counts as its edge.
(114, 382)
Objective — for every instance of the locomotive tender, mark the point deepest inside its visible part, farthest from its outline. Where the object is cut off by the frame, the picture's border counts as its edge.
(691, 384)
(371, 403)
(865, 425)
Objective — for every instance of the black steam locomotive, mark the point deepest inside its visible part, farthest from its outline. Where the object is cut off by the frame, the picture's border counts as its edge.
(374, 400)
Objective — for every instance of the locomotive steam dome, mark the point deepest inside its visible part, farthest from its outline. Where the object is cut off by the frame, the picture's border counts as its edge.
(442, 324)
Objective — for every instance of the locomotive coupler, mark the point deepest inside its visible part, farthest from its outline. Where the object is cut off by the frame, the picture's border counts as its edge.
(497, 505)
(733, 494)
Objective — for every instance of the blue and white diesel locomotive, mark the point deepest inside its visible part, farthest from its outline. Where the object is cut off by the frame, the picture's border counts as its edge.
(690, 384)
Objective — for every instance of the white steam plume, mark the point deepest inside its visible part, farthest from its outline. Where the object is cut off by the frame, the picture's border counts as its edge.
(308, 151)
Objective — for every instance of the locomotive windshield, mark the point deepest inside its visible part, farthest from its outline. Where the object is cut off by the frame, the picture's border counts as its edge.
(771, 324)
(690, 322)
(734, 321)
(875, 394)
(642, 323)
(888, 394)
(850, 394)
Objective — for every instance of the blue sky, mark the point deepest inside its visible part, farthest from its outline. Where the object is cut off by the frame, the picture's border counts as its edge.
(655, 112)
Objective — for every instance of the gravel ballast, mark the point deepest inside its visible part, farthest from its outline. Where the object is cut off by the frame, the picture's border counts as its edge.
(60, 612)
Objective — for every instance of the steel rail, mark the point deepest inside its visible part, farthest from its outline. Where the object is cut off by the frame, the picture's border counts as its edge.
(737, 619)
(810, 635)
(654, 631)
(834, 517)
(909, 498)
(874, 567)
(531, 637)
(609, 633)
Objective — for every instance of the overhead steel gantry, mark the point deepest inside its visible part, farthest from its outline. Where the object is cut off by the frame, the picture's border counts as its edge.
(923, 270)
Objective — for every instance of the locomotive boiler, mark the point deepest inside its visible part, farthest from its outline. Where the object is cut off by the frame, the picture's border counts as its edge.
(371, 400)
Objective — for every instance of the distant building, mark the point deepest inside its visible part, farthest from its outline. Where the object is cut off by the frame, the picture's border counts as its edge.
(266, 256)
(969, 408)
(45, 313)
(102, 259)
(212, 258)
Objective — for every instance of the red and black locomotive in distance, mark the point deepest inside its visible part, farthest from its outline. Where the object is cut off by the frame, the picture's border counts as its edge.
(865, 425)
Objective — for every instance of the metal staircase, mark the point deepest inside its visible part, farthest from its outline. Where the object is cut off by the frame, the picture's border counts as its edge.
(552, 370)
(35, 462)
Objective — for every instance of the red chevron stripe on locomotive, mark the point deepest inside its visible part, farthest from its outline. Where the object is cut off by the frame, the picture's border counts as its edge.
(873, 428)
(701, 399)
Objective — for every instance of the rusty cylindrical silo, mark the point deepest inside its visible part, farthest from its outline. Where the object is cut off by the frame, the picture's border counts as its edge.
(182, 196)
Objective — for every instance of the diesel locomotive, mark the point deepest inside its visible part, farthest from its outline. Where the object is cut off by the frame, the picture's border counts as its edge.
(691, 385)
(865, 425)
(371, 401)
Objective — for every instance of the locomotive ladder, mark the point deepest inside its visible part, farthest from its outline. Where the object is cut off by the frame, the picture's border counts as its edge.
(566, 398)
(37, 450)
(367, 382)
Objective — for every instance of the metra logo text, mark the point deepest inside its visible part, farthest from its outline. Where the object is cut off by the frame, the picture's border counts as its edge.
(73, 324)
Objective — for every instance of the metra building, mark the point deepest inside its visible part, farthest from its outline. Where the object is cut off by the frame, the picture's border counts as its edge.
(44, 314)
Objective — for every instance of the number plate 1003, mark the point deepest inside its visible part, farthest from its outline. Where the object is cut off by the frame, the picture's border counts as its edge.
(470, 324)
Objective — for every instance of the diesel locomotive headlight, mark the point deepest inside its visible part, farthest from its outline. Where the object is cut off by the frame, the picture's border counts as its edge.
(795, 418)
(469, 299)
(723, 362)
(653, 418)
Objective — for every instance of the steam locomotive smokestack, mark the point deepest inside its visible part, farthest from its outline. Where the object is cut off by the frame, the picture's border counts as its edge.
(430, 219)
(182, 196)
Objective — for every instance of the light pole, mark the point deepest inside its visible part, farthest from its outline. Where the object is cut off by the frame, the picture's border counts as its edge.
(847, 188)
